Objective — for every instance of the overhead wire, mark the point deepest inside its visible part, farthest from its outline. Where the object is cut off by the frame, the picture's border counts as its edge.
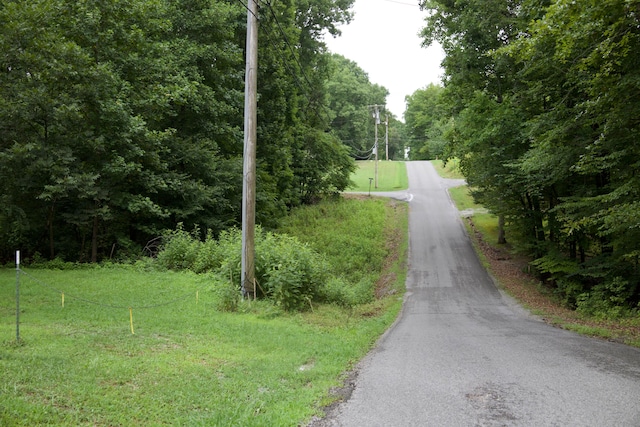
(286, 41)
(246, 6)
(370, 150)
(286, 62)
(273, 43)
(300, 67)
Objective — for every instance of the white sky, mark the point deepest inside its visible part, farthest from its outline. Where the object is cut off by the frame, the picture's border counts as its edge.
(383, 40)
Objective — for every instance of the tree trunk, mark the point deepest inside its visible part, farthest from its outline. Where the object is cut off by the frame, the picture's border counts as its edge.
(50, 224)
(501, 235)
(537, 216)
(94, 240)
(573, 250)
(554, 230)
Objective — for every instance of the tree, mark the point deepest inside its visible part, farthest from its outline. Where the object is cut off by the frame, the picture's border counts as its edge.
(545, 100)
(427, 120)
(480, 82)
(350, 95)
(293, 150)
(580, 66)
(121, 119)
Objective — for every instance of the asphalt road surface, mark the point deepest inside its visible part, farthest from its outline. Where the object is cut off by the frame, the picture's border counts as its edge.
(463, 354)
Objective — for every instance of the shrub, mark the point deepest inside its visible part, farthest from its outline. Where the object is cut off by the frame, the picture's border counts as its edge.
(287, 271)
(229, 255)
(291, 272)
(179, 250)
(607, 300)
(569, 291)
(54, 264)
(209, 257)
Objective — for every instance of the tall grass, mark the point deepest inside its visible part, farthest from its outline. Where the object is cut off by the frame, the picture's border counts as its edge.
(350, 233)
(188, 363)
(355, 239)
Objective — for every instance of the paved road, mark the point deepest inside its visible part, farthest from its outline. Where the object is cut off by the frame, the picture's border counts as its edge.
(462, 354)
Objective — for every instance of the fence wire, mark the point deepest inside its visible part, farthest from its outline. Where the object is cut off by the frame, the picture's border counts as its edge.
(101, 304)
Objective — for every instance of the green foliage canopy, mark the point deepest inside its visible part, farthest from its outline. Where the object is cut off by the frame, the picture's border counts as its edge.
(427, 120)
(121, 119)
(545, 101)
(350, 96)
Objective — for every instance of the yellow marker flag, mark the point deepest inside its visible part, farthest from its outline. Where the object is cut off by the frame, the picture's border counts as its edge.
(131, 320)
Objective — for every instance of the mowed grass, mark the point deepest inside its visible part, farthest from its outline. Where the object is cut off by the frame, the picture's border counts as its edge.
(392, 176)
(186, 363)
(462, 198)
(485, 223)
(449, 170)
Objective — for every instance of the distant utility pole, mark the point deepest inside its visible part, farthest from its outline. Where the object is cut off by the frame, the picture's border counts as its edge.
(376, 116)
(386, 135)
(247, 278)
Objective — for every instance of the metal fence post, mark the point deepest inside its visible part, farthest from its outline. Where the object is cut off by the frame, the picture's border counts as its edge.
(17, 296)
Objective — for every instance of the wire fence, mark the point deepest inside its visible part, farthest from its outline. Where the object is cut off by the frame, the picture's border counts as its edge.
(66, 296)
(88, 301)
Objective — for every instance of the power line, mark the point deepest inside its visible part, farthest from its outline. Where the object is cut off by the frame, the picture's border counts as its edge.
(286, 41)
(285, 61)
(246, 6)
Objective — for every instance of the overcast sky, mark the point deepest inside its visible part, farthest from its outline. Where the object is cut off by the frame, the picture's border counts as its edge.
(383, 40)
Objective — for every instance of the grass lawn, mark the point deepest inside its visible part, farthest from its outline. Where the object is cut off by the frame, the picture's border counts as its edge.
(462, 198)
(451, 170)
(186, 363)
(392, 176)
(485, 223)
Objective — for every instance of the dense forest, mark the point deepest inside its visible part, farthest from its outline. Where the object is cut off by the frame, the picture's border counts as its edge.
(122, 119)
(541, 104)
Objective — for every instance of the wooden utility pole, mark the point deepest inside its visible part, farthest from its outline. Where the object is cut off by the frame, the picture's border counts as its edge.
(376, 117)
(386, 135)
(247, 278)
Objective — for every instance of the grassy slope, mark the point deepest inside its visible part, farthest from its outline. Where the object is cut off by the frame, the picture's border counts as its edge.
(392, 176)
(186, 364)
(450, 170)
